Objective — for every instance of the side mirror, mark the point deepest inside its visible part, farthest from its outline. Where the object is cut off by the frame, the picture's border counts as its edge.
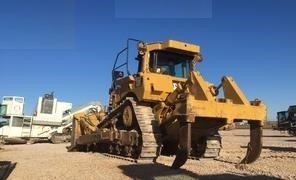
(117, 74)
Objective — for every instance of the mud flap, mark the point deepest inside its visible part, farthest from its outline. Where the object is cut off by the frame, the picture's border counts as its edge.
(255, 144)
(184, 145)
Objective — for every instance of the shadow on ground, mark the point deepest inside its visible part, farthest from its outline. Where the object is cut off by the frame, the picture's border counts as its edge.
(246, 135)
(277, 148)
(6, 167)
(285, 149)
(161, 172)
(291, 140)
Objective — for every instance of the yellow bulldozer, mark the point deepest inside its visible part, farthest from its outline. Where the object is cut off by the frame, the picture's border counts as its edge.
(166, 108)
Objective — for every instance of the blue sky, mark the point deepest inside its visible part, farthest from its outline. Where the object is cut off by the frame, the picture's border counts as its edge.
(69, 46)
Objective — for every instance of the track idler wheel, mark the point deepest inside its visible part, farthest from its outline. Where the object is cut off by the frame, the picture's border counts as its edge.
(184, 145)
(255, 144)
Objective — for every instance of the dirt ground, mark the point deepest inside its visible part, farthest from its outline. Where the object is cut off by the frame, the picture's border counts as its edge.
(52, 161)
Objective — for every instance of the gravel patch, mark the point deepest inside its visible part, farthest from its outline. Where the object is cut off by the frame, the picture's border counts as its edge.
(52, 161)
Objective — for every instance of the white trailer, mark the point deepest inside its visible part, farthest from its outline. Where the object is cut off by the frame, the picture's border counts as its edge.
(51, 120)
(17, 127)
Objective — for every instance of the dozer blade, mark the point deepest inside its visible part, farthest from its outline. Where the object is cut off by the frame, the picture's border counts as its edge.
(255, 144)
(184, 145)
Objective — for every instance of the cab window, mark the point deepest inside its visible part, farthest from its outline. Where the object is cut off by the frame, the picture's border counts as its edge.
(17, 121)
(170, 63)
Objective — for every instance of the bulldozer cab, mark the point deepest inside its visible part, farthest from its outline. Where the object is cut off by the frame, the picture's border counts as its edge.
(282, 117)
(170, 63)
(158, 68)
(287, 120)
(172, 58)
